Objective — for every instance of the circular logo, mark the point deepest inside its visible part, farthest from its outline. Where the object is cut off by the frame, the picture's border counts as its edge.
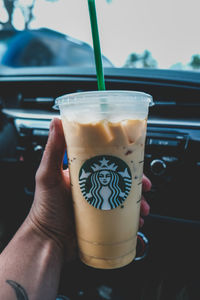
(105, 181)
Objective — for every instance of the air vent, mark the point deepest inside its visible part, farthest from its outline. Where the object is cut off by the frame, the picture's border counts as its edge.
(37, 103)
(186, 108)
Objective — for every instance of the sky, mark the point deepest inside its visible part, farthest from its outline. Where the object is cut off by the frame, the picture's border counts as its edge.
(169, 29)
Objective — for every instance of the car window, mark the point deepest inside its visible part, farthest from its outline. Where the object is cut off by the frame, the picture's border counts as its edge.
(133, 34)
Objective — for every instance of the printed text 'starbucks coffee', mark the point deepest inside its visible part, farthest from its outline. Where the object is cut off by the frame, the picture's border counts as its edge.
(105, 135)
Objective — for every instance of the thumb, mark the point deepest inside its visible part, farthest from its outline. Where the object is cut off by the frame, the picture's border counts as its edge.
(51, 164)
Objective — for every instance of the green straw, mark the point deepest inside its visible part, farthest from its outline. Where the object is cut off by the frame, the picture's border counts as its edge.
(96, 45)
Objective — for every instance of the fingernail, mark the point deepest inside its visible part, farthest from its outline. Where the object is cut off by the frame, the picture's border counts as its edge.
(147, 206)
(147, 209)
(147, 185)
(141, 222)
(51, 125)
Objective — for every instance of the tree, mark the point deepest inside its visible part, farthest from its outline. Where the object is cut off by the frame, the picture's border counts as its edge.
(195, 61)
(9, 6)
(144, 60)
(147, 60)
(132, 60)
(178, 66)
(27, 12)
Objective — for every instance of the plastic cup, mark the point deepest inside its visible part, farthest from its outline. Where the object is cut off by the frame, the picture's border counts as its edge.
(105, 135)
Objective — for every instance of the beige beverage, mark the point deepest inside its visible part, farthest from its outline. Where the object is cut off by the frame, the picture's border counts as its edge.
(106, 155)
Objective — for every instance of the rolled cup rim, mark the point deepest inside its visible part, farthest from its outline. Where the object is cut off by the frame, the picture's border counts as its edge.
(71, 98)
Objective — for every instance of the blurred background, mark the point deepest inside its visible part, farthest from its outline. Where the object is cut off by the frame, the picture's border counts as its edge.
(134, 34)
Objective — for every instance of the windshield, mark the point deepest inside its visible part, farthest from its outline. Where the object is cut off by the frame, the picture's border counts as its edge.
(133, 34)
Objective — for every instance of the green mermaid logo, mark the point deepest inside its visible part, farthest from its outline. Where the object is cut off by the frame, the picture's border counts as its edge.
(105, 181)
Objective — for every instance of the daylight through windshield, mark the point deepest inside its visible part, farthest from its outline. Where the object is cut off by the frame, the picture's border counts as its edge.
(133, 34)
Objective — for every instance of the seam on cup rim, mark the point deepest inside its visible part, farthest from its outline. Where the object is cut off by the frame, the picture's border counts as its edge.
(107, 258)
(107, 244)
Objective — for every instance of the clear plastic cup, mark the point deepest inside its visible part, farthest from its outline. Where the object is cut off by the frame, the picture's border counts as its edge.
(105, 134)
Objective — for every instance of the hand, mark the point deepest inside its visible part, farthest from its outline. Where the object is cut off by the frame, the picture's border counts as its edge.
(51, 214)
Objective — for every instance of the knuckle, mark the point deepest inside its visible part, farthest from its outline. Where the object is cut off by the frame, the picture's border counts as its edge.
(39, 176)
(44, 177)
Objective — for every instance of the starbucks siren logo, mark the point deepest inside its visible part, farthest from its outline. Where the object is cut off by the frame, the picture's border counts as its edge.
(105, 181)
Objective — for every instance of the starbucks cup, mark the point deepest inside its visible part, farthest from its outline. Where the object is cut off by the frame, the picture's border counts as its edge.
(105, 135)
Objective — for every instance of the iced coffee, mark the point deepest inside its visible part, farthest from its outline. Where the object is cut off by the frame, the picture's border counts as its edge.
(106, 155)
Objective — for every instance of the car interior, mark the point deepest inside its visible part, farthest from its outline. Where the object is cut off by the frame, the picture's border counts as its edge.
(168, 262)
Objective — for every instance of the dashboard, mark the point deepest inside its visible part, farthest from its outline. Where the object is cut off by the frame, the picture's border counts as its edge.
(172, 162)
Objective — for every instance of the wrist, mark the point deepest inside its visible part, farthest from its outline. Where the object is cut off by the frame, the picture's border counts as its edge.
(62, 237)
(30, 231)
(32, 261)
